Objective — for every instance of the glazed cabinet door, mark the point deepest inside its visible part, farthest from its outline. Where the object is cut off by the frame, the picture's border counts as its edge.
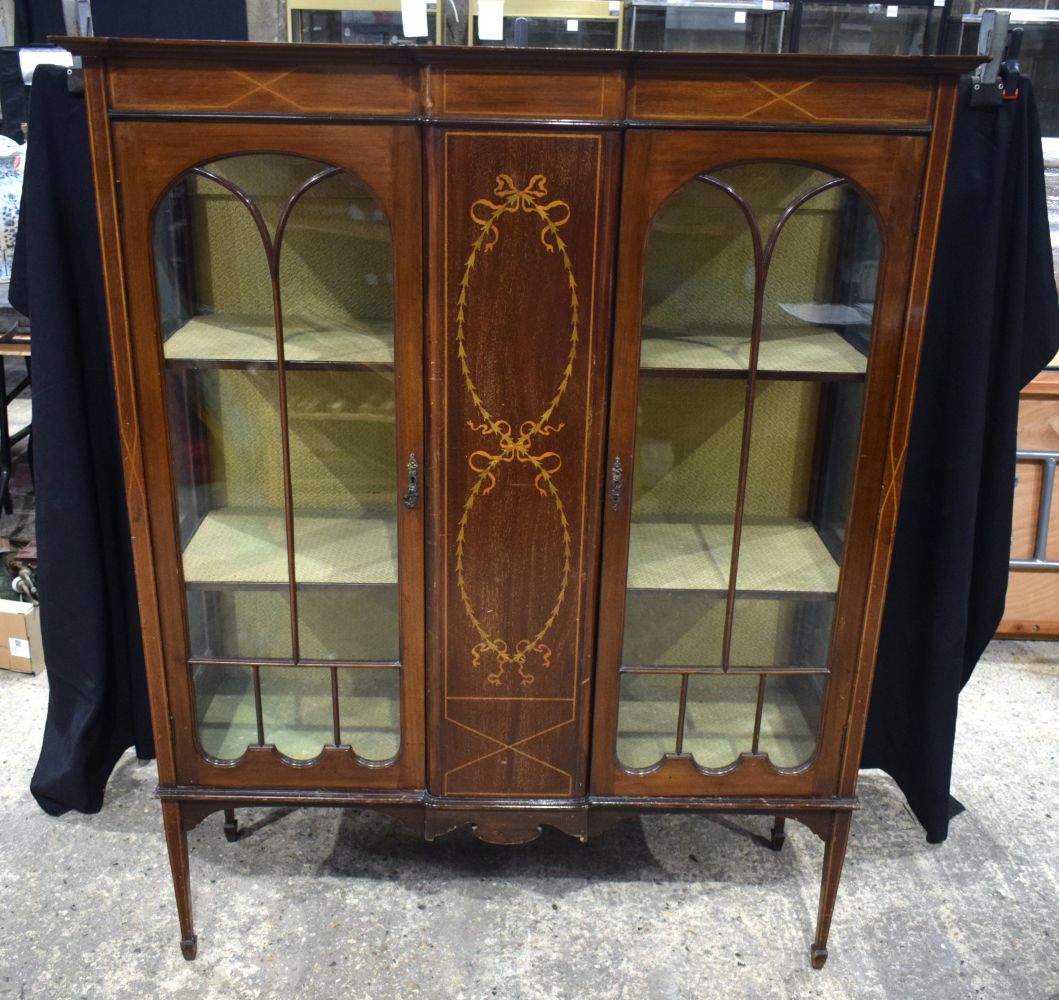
(274, 282)
(761, 304)
(521, 262)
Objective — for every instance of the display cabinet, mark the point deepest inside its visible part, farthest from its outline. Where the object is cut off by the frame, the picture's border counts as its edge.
(707, 25)
(358, 22)
(513, 439)
(854, 27)
(552, 24)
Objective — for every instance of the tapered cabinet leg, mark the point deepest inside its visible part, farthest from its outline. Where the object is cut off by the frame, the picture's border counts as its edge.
(231, 826)
(834, 856)
(779, 835)
(176, 838)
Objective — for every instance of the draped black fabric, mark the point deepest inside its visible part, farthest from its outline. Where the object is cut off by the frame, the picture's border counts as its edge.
(35, 20)
(201, 19)
(992, 325)
(97, 706)
(14, 95)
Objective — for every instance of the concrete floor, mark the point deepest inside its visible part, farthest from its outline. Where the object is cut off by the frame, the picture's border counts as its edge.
(320, 904)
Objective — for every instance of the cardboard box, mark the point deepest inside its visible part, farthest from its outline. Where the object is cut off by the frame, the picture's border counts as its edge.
(20, 646)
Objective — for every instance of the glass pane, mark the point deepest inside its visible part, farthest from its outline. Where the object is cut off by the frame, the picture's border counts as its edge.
(370, 705)
(336, 272)
(781, 632)
(804, 433)
(876, 29)
(647, 718)
(355, 27)
(347, 623)
(239, 623)
(297, 710)
(673, 629)
(790, 718)
(698, 284)
(705, 29)
(336, 277)
(719, 724)
(344, 482)
(684, 486)
(556, 33)
(224, 699)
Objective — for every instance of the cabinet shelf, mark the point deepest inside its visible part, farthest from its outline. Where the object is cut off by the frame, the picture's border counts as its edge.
(778, 557)
(233, 547)
(231, 341)
(794, 351)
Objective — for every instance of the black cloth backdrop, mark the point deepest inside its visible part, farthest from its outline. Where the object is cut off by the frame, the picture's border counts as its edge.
(89, 623)
(202, 19)
(992, 325)
(35, 20)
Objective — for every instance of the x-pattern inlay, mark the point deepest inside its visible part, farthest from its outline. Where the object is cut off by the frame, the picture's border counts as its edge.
(514, 747)
(258, 86)
(780, 98)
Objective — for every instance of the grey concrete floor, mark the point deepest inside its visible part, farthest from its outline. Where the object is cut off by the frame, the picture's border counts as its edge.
(321, 904)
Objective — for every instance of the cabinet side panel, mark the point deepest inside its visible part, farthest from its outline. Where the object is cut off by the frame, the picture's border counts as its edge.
(519, 292)
(132, 451)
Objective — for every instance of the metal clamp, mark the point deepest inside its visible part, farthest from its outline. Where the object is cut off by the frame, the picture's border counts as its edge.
(616, 472)
(411, 498)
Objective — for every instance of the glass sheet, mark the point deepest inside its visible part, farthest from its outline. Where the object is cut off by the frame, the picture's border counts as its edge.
(875, 29)
(355, 27)
(370, 705)
(224, 701)
(719, 724)
(297, 710)
(790, 718)
(555, 33)
(698, 284)
(336, 274)
(647, 718)
(344, 482)
(706, 29)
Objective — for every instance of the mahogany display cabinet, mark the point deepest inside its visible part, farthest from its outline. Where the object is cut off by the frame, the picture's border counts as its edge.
(513, 439)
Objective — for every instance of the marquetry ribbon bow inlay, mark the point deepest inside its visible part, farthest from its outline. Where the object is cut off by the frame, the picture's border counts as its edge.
(512, 446)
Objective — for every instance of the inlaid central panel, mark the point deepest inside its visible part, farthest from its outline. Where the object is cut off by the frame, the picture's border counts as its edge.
(521, 220)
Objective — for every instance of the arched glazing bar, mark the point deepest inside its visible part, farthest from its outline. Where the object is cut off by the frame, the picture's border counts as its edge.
(276, 318)
(794, 347)
(273, 247)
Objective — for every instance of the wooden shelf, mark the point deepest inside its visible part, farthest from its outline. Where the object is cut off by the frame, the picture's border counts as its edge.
(803, 350)
(232, 547)
(223, 340)
(777, 556)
